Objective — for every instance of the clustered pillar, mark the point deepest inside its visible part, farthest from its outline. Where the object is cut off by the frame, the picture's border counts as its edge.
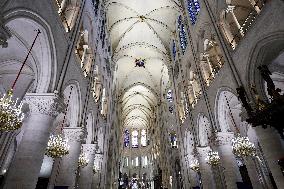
(85, 173)
(25, 167)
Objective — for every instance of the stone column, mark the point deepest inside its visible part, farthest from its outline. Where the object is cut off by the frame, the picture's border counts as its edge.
(272, 148)
(253, 173)
(205, 169)
(228, 161)
(25, 167)
(69, 164)
(86, 173)
(230, 9)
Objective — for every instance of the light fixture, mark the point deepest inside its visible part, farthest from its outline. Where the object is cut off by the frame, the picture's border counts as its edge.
(11, 116)
(213, 158)
(242, 147)
(83, 160)
(57, 146)
(194, 165)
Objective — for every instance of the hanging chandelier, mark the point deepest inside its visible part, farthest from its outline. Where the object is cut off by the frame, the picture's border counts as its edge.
(213, 158)
(83, 160)
(57, 146)
(194, 165)
(11, 116)
(242, 147)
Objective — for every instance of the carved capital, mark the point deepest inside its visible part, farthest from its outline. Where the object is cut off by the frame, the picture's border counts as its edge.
(89, 149)
(202, 151)
(224, 138)
(45, 103)
(74, 134)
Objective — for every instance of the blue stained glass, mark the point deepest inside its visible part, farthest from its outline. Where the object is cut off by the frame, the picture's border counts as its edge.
(182, 34)
(193, 8)
(174, 50)
(126, 138)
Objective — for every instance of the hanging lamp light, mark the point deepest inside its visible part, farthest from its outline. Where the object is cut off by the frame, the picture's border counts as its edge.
(242, 147)
(57, 145)
(213, 158)
(11, 115)
(83, 160)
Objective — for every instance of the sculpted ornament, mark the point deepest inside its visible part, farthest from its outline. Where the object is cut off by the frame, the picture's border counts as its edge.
(89, 148)
(224, 138)
(45, 103)
(74, 134)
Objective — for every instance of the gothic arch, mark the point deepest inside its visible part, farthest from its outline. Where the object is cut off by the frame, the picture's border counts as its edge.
(42, 60)
(90, 127)
(227, 112)
(204, 130)
(74, 106)
(265, 51)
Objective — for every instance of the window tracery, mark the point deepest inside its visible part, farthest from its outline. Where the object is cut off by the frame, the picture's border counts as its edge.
(126, 138)
(84, 52)
(182, 34)
(211, 61)
(193, 8)
(134, 141)
(143, 138)
(237, 19)
(68, 12)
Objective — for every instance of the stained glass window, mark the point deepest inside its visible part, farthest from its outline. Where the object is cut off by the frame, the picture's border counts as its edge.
(126, 138)
(143, 138)
(170, 96)
(135, 139)
(182, 34)
(174, 49)
(173, 140)
(193, 8)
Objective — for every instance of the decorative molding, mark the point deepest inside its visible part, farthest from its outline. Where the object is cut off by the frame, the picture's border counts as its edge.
(224, 138)
(202, 151)
(74, 134)
(89, 149)
(44, 103)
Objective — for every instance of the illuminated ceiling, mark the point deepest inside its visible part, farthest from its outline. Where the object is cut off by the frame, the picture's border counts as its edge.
(141, 29)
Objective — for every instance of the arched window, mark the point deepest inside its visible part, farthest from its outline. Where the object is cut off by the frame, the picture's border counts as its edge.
(135, 139)
(193, 8)
(182, 34)
(173, 139)
(126, 138)
(174, 49)
(170, 96)
(143, 138)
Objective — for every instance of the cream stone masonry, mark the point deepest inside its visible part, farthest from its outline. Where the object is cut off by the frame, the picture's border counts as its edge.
(85, 173)
(28, 158)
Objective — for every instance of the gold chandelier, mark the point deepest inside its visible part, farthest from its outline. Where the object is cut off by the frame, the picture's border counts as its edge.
(242, 147)
(194, 165)
(11, 116)
(213, 158)
(57, 146)
(83, 160)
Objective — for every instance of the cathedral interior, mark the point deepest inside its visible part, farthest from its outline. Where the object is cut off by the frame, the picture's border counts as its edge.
(141, 94)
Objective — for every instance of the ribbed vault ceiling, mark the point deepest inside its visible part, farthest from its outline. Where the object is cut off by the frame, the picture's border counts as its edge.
(141, 29)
